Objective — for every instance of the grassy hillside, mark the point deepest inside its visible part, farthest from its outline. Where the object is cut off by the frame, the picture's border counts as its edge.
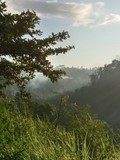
(23, 137)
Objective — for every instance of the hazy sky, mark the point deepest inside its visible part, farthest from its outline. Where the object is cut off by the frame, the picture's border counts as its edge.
(94, 27)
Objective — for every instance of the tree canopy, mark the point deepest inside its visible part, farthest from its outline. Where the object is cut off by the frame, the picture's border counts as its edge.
(27, 52)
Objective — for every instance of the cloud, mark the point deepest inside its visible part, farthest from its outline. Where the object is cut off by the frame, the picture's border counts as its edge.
(111, 18)
(77, 13)
(52, 1)
(100, 4)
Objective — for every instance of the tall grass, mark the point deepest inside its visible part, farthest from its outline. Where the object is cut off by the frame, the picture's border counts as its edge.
(25, 138)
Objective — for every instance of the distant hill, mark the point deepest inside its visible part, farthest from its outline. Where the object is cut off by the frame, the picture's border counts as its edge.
(102, 94)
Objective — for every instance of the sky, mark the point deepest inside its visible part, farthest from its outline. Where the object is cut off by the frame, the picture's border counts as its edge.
(93, 25)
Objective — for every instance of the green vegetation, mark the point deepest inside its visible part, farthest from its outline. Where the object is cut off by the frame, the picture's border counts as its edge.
(103, 93)
(26, 138)
(34, 131)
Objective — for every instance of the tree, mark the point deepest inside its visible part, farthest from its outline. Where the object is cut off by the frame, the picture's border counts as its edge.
(20, 41)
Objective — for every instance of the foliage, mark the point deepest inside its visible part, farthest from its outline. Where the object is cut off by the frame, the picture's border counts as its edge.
(102, 94)
(20, 41)
(12, 134)
(23, 137)
(107, 73)
(44, 111)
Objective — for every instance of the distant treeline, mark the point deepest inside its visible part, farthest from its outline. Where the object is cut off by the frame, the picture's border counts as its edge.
(103, 93)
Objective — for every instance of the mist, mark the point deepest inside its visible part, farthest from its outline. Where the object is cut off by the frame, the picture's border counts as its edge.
(75, 78)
